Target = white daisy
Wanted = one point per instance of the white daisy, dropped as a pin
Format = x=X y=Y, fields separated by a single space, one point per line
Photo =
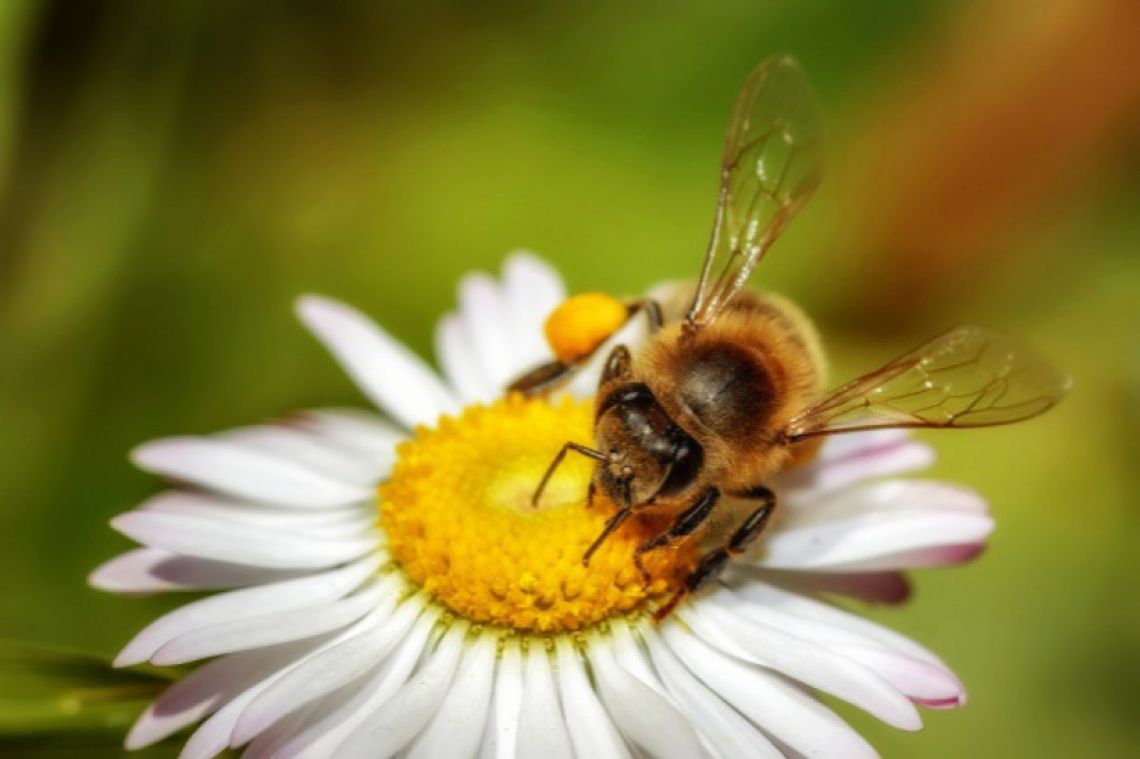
x=445 y=617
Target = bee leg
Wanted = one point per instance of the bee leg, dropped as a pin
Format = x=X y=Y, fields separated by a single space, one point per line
x=652 y=311
x=566 y=448
x=714 y=562
x=543 y=378
x=685 y=524
x=548 y=377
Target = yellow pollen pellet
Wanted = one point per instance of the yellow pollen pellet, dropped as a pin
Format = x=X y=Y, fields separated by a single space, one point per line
x=582 y=322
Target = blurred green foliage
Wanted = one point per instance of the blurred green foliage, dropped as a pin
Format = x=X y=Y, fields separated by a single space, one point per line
x=173 y=174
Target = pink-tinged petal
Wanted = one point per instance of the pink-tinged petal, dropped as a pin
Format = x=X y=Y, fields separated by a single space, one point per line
x=921 y=681
x=460 y=362
x=228 y=467
x=252 y=545
x=911 y=675
x=396 y=380
x=206 y=689
x=397 y=722
x=884 y=498
x=153 y=570
x=533 y=289
x=847 y=459
x=785 y=712
x=828 y=620
x=812 y=664
x=942 y=703
x=873 y=542
x=245 y=604
x=872 y=587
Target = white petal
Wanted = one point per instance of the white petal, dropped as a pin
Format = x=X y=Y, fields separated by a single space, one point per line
x=642 y=715
x=533 y=289
x=726 y=733
x=207 y=688
x=456 y=728
x=392 y=376
x=252 y=545
x=244 y=604
x=885 y=498
x=542 y=728
x=269 y=629
x=483 y=311
x=308 y=450
x=812 y=664
x=629 y=654
x=152 y=570
x=915 y=677
x=355 y=429
x=873 y=541
x=591 y=731
x=399 y=719
x=341 y=522
x=229 y=467
x=794 y=718
x=461 y=365
x=847 y=459
x=330 y=670
x=502 y=737
x=769 y=597
x=321 y=738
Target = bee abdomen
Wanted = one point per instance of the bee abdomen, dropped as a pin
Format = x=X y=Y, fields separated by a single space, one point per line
x=727 y=389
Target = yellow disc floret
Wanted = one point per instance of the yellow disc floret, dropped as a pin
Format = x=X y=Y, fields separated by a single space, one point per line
x=458 y=516
x=582 y=323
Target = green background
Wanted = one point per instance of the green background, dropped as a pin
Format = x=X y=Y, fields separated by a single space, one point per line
x=173 y=174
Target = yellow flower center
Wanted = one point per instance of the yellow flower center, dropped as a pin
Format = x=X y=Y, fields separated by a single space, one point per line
x=457 y=512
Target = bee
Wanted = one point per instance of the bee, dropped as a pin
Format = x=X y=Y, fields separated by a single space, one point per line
x=729 y=388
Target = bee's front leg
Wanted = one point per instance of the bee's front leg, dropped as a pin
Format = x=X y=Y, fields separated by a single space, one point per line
x=713 y=562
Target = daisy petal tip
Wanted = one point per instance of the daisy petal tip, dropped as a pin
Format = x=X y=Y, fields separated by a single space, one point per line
x=142 y=733
x=128 y=657
x=954 y=702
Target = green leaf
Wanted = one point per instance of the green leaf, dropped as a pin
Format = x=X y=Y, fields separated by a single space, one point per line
x=51 y=697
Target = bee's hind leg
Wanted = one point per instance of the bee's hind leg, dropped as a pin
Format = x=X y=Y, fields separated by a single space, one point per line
x=714 y=562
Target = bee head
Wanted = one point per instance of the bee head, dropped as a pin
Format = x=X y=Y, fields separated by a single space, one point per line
x=647 y=455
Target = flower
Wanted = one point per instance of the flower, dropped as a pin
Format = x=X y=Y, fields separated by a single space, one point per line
x=388 y=588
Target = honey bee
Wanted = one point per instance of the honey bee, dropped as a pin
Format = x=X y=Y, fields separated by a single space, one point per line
x=728 y=389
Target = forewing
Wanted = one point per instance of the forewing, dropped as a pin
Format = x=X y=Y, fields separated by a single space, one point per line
x=772 y=164
x=968 y=377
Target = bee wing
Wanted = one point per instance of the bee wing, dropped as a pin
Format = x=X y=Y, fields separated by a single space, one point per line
x=772 y=164
x=967 y=377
